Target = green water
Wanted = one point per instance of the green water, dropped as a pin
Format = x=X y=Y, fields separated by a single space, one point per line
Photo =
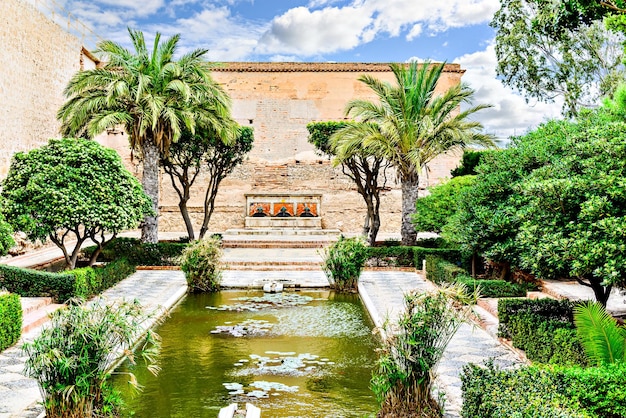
x=305 y=354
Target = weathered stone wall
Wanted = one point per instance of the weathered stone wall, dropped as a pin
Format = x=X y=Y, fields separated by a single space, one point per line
x=278 y=100
x=38 y=58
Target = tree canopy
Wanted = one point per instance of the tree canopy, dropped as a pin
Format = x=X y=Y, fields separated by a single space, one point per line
x=410 y=125
x=203 y=152
x=366 y=171
x=72 y=189
x=566 y=51
x=154 y=96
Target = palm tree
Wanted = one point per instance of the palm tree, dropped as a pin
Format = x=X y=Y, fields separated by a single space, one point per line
x=153 y=96
x=410 y=126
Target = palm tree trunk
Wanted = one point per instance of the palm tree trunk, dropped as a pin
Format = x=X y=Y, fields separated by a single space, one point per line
x=410 y=192
x=150 y=182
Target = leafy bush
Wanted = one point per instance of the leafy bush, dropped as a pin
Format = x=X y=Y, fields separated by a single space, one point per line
x=409 y=256
x=411 y=350
x=554 y=392
x=529 y=392
x=201 y=263
x=343 y=262
x=33 y=283
x=86 y=282
x=603 y=339
x=550 y=309
x=6 y=236
x=113 y=273
x=142 y=254
x=441 y=271
x=10 y=319
x=493 y=288
x=71 y=359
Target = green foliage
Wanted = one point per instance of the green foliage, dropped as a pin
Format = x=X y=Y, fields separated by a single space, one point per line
x=549 y=309
x=71 y=359
x=153 y=95
x=603 y=339
x=203 y=151
x=201 y=263
x=34 y=283
x=320 y=133
x=343 y=262
x=469 y=162
x=528 y=392
x=86 y=282
x=441 y=271
x=409 y=125
x=600 y=390
x=411 y=350
x=6 y=236
x=10 y=319
x=71 y=189
x=432 y=212
x=545 y=50
x=112 y=273
x=142 y=254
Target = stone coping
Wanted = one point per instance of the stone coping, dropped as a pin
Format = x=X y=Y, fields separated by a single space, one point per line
x=246 y=67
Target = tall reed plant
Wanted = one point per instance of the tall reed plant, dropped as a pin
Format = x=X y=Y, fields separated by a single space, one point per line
x=72 y=358
x=402 y=381
x=343 y=262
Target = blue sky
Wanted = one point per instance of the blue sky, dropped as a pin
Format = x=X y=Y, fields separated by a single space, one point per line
x=330 y=30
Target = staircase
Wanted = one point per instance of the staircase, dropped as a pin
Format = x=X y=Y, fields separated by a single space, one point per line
x=36 y=311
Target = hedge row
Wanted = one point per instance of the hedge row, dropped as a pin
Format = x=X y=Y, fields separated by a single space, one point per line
x=81 y=283
x=139 y=254
x=10 y=319
x=543 y=328
x=35 y=283
x=409 y=256
x=441 y=271
x=554 y=392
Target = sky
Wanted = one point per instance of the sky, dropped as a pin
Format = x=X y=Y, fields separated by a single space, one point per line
x=455 y=31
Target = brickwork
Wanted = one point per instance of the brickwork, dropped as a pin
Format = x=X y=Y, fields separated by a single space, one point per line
x=38 y=59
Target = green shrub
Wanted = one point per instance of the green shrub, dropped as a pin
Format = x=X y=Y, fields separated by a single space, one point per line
x=10 y=319
x=550 y=309
x=72 y=357
x=141 y=254
x=343 y=262
x=566 y=392
x=493 y=288
x=113 y=273
x=86 y=282
x=201 y=263
x=528 y=392
x=401 y=256
x=441 y=271
x=34 y=283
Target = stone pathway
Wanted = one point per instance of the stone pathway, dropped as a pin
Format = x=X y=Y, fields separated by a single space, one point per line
x=382 y=293
x=157 y=291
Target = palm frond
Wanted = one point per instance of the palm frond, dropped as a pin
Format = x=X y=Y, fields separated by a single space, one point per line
x=600 y=335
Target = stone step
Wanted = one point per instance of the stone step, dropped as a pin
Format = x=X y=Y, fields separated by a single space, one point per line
x=274 y=267
x=331 y=234
x=32 y=304
x=38 y=317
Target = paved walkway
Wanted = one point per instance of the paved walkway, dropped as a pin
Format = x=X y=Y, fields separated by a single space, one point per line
x=157 y=291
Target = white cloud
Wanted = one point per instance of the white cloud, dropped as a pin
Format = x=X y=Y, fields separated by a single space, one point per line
x=415 y=31
x=306 y=32
x=510 y=115
x=136 y=8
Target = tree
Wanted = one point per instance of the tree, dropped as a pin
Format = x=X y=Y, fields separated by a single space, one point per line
x=364 y=170
x=72 y=189
x=410 y=126
x=203 y=151
x=575 y=220
x=432 y=212
x=6 y=236
x=546 y=52
x=153 y=96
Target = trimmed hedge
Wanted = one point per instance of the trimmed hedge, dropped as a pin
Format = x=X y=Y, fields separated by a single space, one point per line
x=547 y=392
x=543 y=328
x=549 y=309
x=441 y=271
x=34 y=283
x=139 y=254
x=10 y=319
x=399 y=256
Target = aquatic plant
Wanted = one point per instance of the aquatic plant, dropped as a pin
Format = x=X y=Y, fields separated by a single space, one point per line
x=201 y=263
x=343 y=263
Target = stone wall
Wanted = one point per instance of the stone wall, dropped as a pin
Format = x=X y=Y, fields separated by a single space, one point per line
x=38 y=58
x=278 y=100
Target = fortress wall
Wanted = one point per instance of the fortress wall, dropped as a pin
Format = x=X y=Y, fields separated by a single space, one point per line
x=278 y=100
x=38 y=58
